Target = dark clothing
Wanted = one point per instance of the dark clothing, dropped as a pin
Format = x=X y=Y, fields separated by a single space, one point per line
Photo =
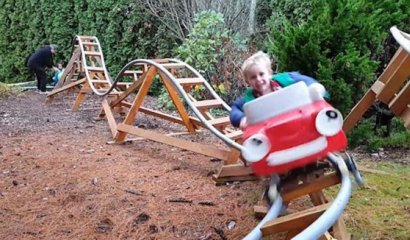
x=37 y=63
x=42 y=58
x=281 y=79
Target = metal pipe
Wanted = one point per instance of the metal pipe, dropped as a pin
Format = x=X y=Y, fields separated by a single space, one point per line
x=401 y=37
x=273 y=213
x=330 y=216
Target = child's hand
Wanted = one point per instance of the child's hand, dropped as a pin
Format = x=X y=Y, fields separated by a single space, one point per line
x=243 y=123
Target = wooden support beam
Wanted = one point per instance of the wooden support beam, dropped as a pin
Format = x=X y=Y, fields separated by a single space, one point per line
x=204 y=149
x=401 y=101
x=70 y=85
x=81 y=96
x=177 y=102
x=395 y=80
x=149 y=78
x=324 y=181
x=298 y=220
x=110 y=117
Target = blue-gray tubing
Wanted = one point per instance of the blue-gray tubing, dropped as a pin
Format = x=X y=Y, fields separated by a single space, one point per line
x=330 y=216
x=401 y=37
x=184 y=95
x=273 y=213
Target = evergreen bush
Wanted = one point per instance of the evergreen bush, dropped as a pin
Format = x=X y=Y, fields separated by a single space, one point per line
x=337 y=43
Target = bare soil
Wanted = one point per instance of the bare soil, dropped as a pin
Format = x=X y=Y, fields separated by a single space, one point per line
x=59 y=179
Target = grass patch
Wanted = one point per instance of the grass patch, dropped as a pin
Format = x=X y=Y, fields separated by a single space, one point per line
x=6 y=91
x=380 y=210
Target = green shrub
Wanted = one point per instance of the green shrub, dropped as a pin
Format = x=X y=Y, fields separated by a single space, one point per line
x=216 y=53
x=364 y=134
x=338 y=42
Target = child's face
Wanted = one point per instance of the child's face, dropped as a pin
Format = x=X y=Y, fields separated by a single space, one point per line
x=258 y=77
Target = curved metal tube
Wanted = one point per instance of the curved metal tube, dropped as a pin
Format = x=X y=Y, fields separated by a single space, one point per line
x=401 y=37
x=184 y=95
x=273 y=213
x=330 y=216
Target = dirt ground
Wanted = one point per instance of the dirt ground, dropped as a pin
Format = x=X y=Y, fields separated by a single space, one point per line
x=59 y=179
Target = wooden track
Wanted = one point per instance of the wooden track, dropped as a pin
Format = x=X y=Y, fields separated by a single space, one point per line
x=86 y=71
x=122 y=101
x=180 y=81
x=390 y=88
x=123 y=97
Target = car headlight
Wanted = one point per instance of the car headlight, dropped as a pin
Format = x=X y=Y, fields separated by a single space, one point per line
x=329 y=122
x=255 y=147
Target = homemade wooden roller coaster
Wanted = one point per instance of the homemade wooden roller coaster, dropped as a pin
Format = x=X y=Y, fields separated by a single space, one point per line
x=310 y=166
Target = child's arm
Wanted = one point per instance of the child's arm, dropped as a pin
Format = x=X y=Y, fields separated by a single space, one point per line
x=236 y=115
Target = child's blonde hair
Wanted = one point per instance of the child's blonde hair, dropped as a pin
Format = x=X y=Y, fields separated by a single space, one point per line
x=259 y=58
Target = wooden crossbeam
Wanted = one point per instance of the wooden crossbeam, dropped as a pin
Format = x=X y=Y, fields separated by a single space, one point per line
x=298 y=220
x=206 y=150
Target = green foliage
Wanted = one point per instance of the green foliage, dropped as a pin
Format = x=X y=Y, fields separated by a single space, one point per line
x=164 y=101
x=125 y=31
x=365 y=135
x=337 y=42
x=204 y=42
x=215 y=52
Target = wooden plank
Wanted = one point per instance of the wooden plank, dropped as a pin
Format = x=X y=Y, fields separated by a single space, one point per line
x=234 y=170
x=70 y=85
x=340 y=231
x=292 y=233
x=324 y=181
x=400 y=102
x=110 y=117
x=132 y=72
x=395 y=81
x=217 y=122
x=92 y=53
x=90 y=43
x=149 y=78
x=234 y=135
x=260 y=211
x=234 y=157
x=377 y=87
x=69 y=68
x=173 y=65
x=392 y=66
x=206 y=150
x=357 y=112
x=81 y=96
x=406 y=117
x=297 y=220
x=190 y=81
x=87 y=37
x=177 y=102
x=207 y=103
x=95 y=69
x=133 y=87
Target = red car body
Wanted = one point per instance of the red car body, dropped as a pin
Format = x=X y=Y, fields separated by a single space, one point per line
x=295 y=138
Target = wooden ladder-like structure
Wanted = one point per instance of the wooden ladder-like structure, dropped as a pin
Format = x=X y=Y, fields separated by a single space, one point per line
x=179 y=80
x=390 y=88
x=86 y=70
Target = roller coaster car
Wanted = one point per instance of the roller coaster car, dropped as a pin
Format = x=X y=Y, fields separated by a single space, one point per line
x=291 y=128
